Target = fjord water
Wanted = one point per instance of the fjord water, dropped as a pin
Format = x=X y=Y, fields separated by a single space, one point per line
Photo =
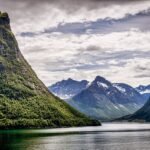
x=110 y=136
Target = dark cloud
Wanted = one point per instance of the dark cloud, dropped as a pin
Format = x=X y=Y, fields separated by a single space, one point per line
x=28 y=34
x=142 y=71
x=92 y=48
x=142 y=75
x=27 y=11
x=89 y=3
x=141 y=68
x=139 y=21
x=69 y=5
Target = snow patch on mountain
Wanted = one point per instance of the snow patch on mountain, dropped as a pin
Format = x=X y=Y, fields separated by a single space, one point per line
x=144 y=92
x=121 y=89
x=102 y=85
x=64 y=96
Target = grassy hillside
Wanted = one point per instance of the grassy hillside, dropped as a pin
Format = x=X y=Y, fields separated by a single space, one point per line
x=24 y=100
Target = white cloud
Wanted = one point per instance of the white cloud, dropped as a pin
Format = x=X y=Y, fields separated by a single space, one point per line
x=58 y=56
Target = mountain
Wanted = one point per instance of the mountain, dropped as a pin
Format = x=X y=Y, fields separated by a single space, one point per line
x=130 y=93
x=144 y=90
x=66 y=89
x=25 y=102
x=105 y=100
x=142 y=114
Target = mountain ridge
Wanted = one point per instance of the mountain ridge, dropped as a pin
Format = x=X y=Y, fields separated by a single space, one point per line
x=104 y=100
x=68 y=88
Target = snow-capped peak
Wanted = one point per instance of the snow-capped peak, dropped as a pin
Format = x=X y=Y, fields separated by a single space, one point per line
x=145 y=91
x=100 y=84
x=121 y=89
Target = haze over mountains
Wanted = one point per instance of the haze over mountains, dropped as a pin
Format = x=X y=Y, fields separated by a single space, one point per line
x=142 y=114
x=100 y=99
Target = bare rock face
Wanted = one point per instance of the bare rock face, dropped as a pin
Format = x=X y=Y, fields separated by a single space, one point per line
x=5 y=21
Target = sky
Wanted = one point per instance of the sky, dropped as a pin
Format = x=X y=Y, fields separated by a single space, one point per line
x=82 y=39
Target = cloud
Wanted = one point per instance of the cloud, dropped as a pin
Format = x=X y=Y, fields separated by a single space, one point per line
x=84 y=56
x=105 y=26
x=37 y=15
x=82 y=39
x=89 y=4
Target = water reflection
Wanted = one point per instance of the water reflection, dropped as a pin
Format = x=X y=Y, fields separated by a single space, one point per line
x=78 y=139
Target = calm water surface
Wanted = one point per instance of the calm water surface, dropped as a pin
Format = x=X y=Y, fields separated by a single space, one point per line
x=111 y=136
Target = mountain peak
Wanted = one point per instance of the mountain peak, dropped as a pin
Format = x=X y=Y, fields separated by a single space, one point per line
x=100 y=79
x=66 y=89
x=143 y=87
x=70 y=79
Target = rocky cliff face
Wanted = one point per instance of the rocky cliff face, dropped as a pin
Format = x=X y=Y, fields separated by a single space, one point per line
x=25 y=102
x=5 y=21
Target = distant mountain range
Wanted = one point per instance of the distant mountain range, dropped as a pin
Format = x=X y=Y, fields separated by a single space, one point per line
x=66 y=89
x=100 y=99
